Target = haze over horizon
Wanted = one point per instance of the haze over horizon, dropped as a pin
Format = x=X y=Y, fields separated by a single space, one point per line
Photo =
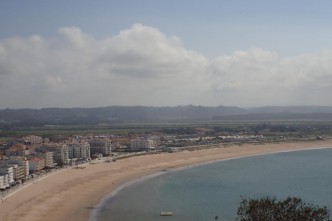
x=165 y=53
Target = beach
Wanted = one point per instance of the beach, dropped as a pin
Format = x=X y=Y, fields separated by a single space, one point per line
x=72 y=194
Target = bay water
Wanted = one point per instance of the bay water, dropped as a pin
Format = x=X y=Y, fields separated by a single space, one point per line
x=201 y=193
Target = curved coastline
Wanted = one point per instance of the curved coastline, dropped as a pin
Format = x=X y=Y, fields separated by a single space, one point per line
x=97 y=209
x=76 y=194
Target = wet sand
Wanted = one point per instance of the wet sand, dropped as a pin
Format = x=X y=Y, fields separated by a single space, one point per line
x=72 y=194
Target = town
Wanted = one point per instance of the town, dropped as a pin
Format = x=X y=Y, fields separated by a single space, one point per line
x=26 y=159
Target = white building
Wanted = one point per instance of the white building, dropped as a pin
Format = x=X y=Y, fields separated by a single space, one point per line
x=32 y=139
x=59 y=151
x=4 y=181
x=23 y=165
x=19 y=172
x=156 y=139
x=142 y=144
x=80 y=150
x=7 y=172
x=100 y=146
x=48 y=157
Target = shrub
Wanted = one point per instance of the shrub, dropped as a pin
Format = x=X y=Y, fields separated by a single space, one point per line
x=290 y=209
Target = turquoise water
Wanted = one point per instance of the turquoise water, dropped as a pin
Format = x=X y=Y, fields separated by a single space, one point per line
x=202 y=192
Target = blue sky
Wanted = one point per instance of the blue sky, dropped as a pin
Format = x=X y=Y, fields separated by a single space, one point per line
x=234 y=52
x=210 y=27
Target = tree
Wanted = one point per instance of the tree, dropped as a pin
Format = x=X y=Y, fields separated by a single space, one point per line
x=290 y=209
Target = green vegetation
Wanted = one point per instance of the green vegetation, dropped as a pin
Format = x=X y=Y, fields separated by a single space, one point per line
x=290 y=209
x=271 y=122
x=271 y=129
x=47 y=131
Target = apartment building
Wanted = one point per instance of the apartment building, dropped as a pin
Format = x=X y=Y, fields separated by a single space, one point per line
x=100 y=146
x=78 y=150
x=48 y=157
x=141 y=144
x=7 y=172
x=32 y=139
x=19 y=172
x=36 y=164
x=22 y=172
x=17 y=150
x=60 y=152
x=4 y=181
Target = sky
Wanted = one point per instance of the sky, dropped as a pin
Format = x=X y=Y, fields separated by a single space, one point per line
x=83 y=53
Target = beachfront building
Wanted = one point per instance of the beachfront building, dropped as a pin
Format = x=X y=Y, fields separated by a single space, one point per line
x=22 y=172
x=48 y=157
x=142 y=144
x=19 y=173
x=78 y=150
x=7 y=172
x=120 y=144
x=100 y=146
x=3 y=183
x=156 y=139
x=36 y=164
x=60 y=152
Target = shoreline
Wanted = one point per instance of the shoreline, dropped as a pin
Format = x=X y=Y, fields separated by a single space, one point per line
x=76 y=194
x=93 y=215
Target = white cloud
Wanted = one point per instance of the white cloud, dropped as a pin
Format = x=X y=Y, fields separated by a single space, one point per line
x=129 y=68
x=143 y=66
x=258 y=77
x=146 y=52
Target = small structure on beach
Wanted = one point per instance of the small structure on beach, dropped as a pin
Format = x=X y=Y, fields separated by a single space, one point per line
x=166 y=213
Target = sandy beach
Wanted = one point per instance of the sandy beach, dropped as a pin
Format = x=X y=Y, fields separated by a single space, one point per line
x=72 y=194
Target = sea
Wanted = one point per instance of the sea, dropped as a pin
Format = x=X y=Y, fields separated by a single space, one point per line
x=215 y=190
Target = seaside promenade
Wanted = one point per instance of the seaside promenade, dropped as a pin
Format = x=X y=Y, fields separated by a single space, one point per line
x=72 y=194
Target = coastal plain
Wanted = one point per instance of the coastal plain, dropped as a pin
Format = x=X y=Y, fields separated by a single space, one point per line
x=73 y=194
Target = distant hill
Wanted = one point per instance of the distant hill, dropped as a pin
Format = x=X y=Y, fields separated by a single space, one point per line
x=291 y=109
x=112 y=114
